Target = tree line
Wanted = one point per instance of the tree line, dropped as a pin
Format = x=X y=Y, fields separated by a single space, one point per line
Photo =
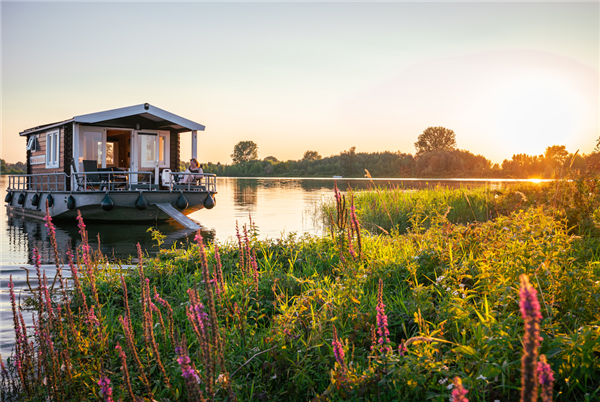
x=12 y=168
x=437 y=155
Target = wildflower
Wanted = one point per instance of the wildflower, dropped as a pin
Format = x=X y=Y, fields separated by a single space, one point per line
x=382 y=321
x=402 y=349
x=530 y=310
x=123 y=357
x=105 y=389
x=443 y=381
x=440 y=278
x=458 y=393
x=481 y=377
x=91 y=318
x=338 y=351
x=546 y=378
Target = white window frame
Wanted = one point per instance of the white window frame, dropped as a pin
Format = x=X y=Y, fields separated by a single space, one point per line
x=53 y=149
x=167 y=139
x=32 y=143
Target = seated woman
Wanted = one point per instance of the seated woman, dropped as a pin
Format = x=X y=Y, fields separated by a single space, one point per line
x=194 y=168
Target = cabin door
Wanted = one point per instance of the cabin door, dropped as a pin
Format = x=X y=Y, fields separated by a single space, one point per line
x=150 y=152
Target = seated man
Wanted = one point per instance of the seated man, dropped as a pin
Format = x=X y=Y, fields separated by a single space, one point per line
x=194 y=168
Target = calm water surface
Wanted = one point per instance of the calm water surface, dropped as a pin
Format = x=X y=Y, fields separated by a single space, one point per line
x=278 y=206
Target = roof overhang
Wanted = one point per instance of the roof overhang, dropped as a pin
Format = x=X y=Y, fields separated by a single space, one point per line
x=144 y=116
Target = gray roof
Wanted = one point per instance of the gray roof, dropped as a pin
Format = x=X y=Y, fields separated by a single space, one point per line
x=144 y=115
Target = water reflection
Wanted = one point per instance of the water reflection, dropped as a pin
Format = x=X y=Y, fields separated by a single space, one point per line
x=116 y=241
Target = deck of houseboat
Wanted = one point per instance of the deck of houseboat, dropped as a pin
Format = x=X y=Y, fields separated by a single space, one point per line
x=118 y=195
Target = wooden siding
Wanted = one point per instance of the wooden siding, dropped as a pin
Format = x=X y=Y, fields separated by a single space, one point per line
x=174 y=151
x=41 y=168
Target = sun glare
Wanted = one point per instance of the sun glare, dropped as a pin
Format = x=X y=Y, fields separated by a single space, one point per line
x=535 y=113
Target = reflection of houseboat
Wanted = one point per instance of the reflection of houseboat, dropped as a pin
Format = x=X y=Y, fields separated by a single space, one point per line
x=114 y=165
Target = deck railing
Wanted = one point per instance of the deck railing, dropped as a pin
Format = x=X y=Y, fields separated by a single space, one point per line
x=38 y=182
x=109 y=180
x=113 y=181
x=199 y=182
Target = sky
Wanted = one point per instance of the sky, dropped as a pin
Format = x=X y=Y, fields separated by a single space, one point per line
x=507 y=77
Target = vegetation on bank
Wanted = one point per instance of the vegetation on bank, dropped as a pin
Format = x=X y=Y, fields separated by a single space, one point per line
x=436 y=308
x=554 y=163
x=437 y=156
x=12 y=168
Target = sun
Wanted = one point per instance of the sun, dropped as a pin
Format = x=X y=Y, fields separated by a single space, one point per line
x=533 y=113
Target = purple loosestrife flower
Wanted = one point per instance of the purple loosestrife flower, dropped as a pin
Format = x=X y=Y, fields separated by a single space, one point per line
x=530 y=310
x=546 y=378
x=49 y=225
x=105 y=389
x=402 y=349
x=186 y=369
x=123 y=357
x=458 y=393
x=338 y=350
x=91 y=318
x=382 y=321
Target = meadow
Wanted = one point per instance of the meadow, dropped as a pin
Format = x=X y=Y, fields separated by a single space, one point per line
x=413 y=296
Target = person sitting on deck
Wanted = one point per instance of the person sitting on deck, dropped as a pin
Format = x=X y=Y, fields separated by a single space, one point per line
x=194 y=168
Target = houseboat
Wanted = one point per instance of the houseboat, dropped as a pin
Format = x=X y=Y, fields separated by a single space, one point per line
x=115 y=165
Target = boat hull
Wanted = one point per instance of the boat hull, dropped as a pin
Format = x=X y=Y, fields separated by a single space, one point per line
x=89 y=204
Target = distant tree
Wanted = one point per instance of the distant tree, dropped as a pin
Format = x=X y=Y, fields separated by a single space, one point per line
x=435 y=139
x=597 y=149
x=245 y=151
x=271 y=158
x=311 y=156
x=556 y=155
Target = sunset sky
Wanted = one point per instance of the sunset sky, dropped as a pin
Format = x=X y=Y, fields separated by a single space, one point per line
x=506 y=77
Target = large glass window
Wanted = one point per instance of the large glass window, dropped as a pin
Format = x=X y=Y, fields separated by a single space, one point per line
x=92 y=147
x=148 y=151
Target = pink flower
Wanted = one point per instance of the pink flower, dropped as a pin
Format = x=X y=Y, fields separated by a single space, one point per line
x=458 y=393
x=105 y=389
x=338 y=351
x=382 y=321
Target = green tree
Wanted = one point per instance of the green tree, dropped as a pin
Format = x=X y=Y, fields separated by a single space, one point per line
x=435 y=139
x=311 y=156
x=244 y=151
x=271 y=158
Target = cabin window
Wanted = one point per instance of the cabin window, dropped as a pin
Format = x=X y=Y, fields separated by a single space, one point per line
x=52 y=149
x=33 y=144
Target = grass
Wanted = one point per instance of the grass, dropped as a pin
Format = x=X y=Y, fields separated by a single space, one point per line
x=254 y=320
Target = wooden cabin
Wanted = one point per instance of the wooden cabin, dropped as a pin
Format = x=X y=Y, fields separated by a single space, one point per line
x=135 y=138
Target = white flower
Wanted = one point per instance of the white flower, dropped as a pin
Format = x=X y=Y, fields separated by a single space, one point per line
x=454 y=293
x=496 y=400
x=461 y=286
x=440 y=278
x=443 y=381
x=450 y=386
x=481 y=378
x=464 y=295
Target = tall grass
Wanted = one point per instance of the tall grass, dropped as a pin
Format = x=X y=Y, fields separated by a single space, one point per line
x=424 y=315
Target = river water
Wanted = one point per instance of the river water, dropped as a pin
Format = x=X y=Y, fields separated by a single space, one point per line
x=277 y=206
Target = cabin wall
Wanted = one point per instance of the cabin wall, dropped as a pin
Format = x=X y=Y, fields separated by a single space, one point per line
x=39 y=168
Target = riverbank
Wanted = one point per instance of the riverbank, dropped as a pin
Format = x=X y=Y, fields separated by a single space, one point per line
x=297 y=318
